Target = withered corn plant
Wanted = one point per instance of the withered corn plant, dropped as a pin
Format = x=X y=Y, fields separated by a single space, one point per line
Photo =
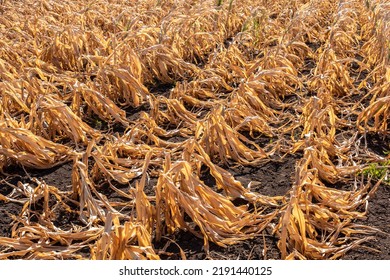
x=143 y=98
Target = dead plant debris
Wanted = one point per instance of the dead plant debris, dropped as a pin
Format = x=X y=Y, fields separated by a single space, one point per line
x=214 y=85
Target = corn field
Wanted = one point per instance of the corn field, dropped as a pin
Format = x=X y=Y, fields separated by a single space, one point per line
x=145 y=99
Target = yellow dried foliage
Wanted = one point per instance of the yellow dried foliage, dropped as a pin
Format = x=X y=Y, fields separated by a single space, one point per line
x=145 y=99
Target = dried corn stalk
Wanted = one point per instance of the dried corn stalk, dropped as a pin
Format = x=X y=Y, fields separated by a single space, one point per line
x=130 y=241
x=179 y=191
x=25 y=148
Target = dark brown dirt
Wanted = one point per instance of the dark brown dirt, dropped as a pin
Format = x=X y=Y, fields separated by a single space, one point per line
x=275 y=178
x=271 y=178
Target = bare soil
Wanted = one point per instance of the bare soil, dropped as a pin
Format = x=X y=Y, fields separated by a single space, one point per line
x=273 y=178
